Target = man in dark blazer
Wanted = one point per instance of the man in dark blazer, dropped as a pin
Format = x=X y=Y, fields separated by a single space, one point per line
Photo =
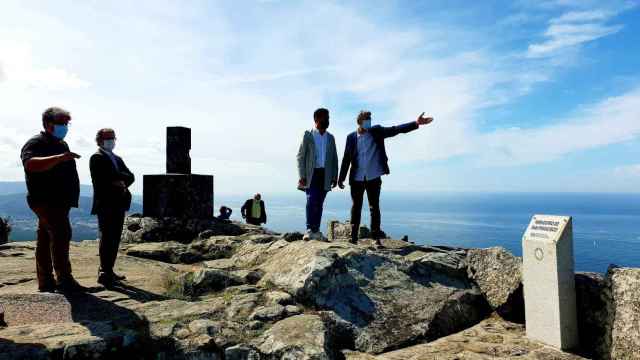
x=366 y=155
x=111 y=199
x=254 y=211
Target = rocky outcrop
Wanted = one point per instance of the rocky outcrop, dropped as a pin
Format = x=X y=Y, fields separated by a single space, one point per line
x=451 y=263
x=264 y=296
x=198 y=250
x=371 y=291
x=623 y=323
x=89 y=340
x=493 y=338
x=591 y=302
x=138 y=229
x=303 y=337
x=177 y=253
x=499 y=275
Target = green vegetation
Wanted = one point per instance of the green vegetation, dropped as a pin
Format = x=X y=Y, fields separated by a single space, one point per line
x=174 y=284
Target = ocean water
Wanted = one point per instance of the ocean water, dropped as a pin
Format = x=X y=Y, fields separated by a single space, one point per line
x=606 y=226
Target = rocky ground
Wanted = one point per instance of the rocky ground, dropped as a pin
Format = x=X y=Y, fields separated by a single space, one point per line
x=197 y=290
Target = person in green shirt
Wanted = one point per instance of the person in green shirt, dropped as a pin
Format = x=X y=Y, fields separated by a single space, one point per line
x=253 y=211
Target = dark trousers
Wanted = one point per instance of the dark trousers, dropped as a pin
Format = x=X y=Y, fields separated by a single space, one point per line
x=110 y=224
x=315 y=200
x=253 y=221
x=358 y=188
x=52 y=246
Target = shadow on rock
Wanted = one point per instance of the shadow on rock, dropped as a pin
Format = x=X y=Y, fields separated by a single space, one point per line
x=136 y=294
x=10 y=350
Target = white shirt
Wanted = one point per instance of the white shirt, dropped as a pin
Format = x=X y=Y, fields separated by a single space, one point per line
x=320 y=141
x=369 y=166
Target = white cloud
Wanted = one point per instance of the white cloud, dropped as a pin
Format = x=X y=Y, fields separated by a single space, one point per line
x=632 y=171
x=17 y=69
x=248 y=92
x=583 y=16
x=581 y=22
x=562 y=36
x=610 y=121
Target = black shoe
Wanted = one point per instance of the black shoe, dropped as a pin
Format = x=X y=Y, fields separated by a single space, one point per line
x=71 y=286
x=51 y=288
x=106 y=280
x=118 y=277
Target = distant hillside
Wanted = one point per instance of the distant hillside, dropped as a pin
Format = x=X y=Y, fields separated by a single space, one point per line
x=23 y=221
x=19 y=187
x=15 y=206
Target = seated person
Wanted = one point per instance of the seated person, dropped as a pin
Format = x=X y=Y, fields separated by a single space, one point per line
x=225 y=213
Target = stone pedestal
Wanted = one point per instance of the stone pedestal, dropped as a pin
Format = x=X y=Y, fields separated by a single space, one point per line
x=178 y=195
x=549 y=285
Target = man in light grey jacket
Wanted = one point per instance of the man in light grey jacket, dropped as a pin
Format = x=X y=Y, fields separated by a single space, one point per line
x=317 y=170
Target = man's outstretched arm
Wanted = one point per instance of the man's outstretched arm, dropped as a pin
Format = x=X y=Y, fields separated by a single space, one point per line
x=405 y=128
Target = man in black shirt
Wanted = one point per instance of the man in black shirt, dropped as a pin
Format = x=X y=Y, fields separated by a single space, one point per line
x=111 y=199
x=53 y=188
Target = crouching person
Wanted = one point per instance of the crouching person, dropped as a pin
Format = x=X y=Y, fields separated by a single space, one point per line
x=111 y=200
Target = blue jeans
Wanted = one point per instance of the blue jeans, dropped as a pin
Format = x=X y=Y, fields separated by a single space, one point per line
x=315 y=200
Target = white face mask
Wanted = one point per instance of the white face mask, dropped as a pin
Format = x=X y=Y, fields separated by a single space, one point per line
x=366 y=124
x=109 y=145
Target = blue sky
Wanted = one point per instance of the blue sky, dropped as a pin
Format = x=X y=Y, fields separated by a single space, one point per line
x=527 y=95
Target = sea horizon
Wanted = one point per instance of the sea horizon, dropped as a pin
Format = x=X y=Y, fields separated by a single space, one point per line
x=604 y=224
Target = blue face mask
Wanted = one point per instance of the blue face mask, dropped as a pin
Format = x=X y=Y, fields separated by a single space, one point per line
x=366 y=124
x=60 y=131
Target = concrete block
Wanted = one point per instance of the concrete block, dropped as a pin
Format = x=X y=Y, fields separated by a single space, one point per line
x=178 y=195
x=549 y=281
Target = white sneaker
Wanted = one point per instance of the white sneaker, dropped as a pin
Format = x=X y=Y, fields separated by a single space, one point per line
x=308 y=235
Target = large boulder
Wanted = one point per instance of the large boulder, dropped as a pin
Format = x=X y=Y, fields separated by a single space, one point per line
x=218 y=247
x=499 y=275
x=200 y=329
x=198 y=282
x=302 y=337
x=450 y=263
x=591 y=303
x=624 y=312
x=89 y=340
x=169 y=251
x=493 y=338
x=390 y=301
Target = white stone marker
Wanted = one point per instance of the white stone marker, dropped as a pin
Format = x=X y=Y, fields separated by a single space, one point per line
x=549 y=281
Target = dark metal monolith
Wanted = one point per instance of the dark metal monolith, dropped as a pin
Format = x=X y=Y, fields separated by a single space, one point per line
x=178 y=193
